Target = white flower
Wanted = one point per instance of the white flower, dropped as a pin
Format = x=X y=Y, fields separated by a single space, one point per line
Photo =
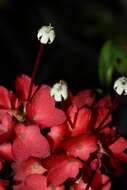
x=46 y=34
x=59 y=91
x=120 y=86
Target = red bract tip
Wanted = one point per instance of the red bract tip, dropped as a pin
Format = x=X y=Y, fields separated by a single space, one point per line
x=4 y=98
x=22 y=85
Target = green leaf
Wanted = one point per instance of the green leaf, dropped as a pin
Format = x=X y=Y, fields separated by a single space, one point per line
x=106 y=64
x=112 y=59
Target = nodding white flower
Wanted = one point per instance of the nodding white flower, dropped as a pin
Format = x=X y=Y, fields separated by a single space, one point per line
x=59 y=91
x=120 y=86
x=46 y=34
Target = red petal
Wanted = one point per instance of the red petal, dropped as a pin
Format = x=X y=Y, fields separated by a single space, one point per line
x=115 y=167
x=60 y=168
x=84 y=98
x=118 y=148
x=56 y=135
x=81 y=146
x=101 y=115
x=22 y=86
x=4 y=98
x=29 y=142
x=42 y=109
x=27 y=167
x=33 y=182
x=15 y=102
x=103 y=108
x=99 y=181
x=6 y=152
x=6 y=128
x=80 y=119
x=105 y=102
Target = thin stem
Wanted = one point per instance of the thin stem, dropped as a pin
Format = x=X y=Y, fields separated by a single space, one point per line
x=35 y=69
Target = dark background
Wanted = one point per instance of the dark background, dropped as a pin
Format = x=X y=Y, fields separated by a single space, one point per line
x=81 y=29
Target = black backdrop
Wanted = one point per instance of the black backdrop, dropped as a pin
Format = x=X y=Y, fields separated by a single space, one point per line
x=81 y=29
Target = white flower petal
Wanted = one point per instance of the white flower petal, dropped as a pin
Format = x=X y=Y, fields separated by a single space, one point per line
x=58 y=98
x=59 y=91
x=120 y=86
x=119 y=90
x=46 y=34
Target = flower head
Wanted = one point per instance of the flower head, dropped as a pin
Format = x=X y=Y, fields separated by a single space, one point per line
x=46 y=34
x=60 y=91
x=120 y=86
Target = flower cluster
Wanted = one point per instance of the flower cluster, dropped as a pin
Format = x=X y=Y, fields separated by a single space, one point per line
x=53 y=146
x=53 y=140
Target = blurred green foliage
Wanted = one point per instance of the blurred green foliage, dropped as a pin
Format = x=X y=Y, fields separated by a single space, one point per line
x=112 y=61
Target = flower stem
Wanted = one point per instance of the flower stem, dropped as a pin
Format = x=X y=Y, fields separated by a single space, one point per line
x=35 y=69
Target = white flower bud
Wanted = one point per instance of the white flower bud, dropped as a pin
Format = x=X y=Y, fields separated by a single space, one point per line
x=59 y=91
x=120 y=86
x=46 y=34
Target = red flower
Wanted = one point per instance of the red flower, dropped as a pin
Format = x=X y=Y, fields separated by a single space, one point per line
x=33 y=182
x=27 y=167
x=41 y=110
x=60 y=168
x=29 y=142
x=81 y=146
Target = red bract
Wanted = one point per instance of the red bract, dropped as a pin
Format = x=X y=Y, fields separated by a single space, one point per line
x=118 y=148
x=4 y=98
x=56 y=135
x=80 y=119
x=41 y=110
x=102 y=109
x=60 y=168
x=22 y=85
x=81 y=146
x=33 y=182
x=84 y=98
x=92 y=180
x=29 y=142
x=6 y=152
x=27 y=167
x=6 y=128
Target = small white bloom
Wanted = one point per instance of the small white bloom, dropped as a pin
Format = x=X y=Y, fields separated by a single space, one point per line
x=46 y=34
x=120 y=86
x=59 y=91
